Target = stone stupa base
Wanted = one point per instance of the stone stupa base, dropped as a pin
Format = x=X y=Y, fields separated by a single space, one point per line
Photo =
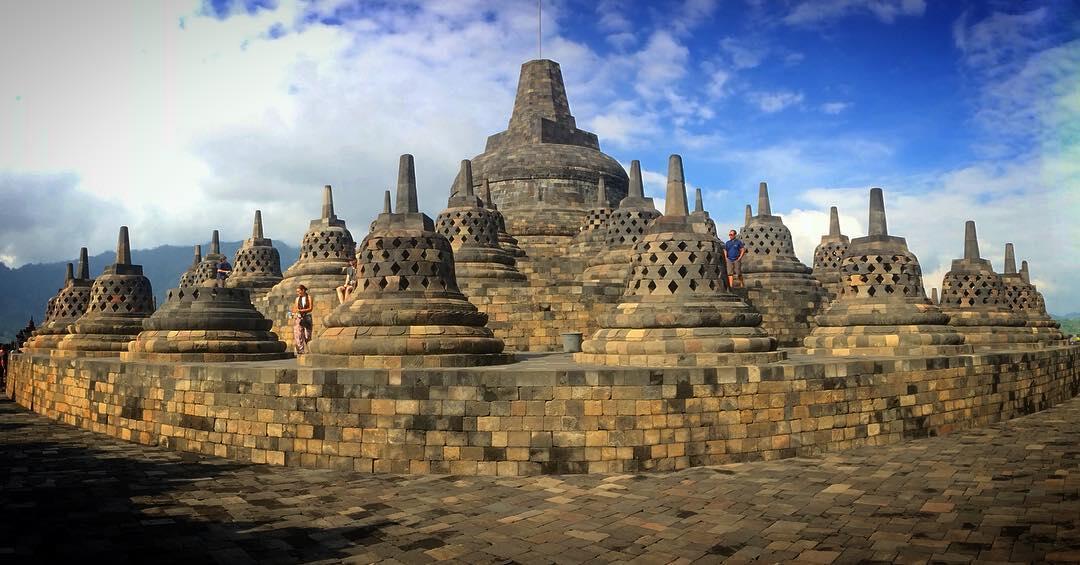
x=452 y=360
x=44 y=343
x=488 y=271
x=209 y=346
x=905 y=340
x=93 y=345
x=405 y=346
x=991 y=330
x=680 y=347
x=787 y=305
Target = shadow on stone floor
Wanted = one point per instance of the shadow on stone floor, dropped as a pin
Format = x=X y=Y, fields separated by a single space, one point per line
x=126 y=503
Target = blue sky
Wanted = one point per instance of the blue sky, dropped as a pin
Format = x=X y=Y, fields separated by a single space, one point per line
x=178 y=118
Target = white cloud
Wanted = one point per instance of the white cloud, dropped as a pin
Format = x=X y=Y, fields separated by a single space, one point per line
x=999 y=38
x=743 y=55
x=834 y=108
x=660 y=64
x=816 y=12
x=772 y=102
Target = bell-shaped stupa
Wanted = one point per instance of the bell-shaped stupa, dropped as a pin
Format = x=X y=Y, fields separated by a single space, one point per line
x=625 y=227
x=205 y=273
x=188 y=278
x=473 y=232
x=882 y=308
x=206 y=324
x=406 y=310
x=593 y=231
x=1025 y=300
x=700 y=213
x=675 y=309
x=65 y=308
x=776 y=282
x=120 y=299
x=974 y=297
x=543 y=170
x=324 y=255
x=829 y=254
x=506 y=241
x=257 y=265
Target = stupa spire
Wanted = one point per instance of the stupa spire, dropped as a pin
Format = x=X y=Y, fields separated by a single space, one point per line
x=257 y=228
x=386 y=203
x=637 y=189
x=488 y=202
x=327 y=202
x=198 y=255
x=933 y=295
x=406 y=186
x=971 y=241
x=878 y=224
x=1025 y=275
x=215 y=243
x=84 y=265
x=834 y=221
x=70 y=275
x=763 y=207
x=1010 y=259
x=699 y=205
x=601 y=193
x=540 y=94
x=749 y=214
x=675 y=199
x=123 y=247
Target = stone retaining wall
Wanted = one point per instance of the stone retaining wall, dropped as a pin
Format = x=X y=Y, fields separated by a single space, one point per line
x=542 y=415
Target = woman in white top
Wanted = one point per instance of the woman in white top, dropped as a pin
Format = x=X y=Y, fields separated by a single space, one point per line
x=301 y=312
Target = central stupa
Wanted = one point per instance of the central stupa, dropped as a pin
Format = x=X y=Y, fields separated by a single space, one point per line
x=543 y=170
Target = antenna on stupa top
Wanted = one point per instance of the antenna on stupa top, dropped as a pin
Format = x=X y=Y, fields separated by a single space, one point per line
x=675 y=202
x=406 y=186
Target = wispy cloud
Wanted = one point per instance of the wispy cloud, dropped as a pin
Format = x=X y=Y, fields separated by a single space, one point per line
x=834 y=108
x=816 y=12
x=772 y=102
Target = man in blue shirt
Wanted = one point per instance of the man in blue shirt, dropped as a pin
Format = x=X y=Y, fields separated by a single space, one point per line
x=223 y=270
x=735 y=250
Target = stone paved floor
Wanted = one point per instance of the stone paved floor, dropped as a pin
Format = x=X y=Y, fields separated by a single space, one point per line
x=1006 y=493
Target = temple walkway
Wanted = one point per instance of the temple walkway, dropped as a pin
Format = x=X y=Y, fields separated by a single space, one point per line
x=1008 y=493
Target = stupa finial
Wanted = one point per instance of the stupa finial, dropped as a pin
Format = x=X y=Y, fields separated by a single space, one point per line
x=834 y=221
x=327 y=202
x=198 y=255
x=1025 y=275
x=675 y=199
x=601 y=192
x=763 y=207
x=699 y=205
x=257 y=228
x=123 y=247
x=971 y=241
x=488 y=202
x=749 y=214
x=386 y=203
x=70 y=273
x=215 y=243
x=465 y=179
x=636 y=187
x=933 y=295
x=406 y=186
x=878 y=224
x=84 y=264
x=1010 y=259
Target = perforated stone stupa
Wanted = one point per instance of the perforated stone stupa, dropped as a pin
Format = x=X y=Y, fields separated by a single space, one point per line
x=974 y=297
x=829 y=254
x=257 y=265
x=188 y=278
x=120 y=299
x=206 y=324
x=473 y=232
x=206 y=272
x=777 y=283
x=324 y=254
x=407 y=310
x=508 y=242
x=1024 y=299
x=543 y=170
x=65 y=308
x=700 y=213
x=882 y=308
x=593 y=232
x=675 y=310
x=625 y=227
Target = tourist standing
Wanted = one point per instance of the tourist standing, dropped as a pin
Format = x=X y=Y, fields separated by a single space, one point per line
x=222 y=273
x=301 y=313
x=346 y=290
x=735 y=250
x=3 y=364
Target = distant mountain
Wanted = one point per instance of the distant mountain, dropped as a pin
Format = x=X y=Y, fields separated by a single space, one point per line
x=24 y=292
